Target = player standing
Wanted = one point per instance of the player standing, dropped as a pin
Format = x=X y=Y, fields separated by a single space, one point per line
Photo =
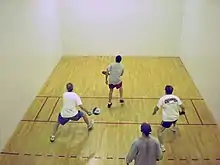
x=170 y=105
x=146 y=149
x=69 y=111
x=114 y=72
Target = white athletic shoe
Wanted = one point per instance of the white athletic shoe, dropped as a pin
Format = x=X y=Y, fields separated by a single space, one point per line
x=90 y=126
x=163 y=148
x=52 y=138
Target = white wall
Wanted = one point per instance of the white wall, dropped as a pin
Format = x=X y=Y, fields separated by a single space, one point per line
x=30 y=42
x=104 y=27
x=30 y=47
x=201 y=48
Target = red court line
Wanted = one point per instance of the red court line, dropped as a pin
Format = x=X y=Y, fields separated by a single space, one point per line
x=129 y=98
x=115 y=123
x=96 y=157
x=200 y=119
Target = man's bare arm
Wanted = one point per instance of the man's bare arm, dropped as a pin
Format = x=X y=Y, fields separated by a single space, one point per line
x=106 y=75
x=182 y=112
x=122 y=73
x=156 y=108
x=182 y=108
x=84 y=109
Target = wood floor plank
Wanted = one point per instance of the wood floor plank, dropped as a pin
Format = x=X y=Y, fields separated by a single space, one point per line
x=34 y=108
x=56 y=111
x=47 y=109
x=36 y=160
x=39 y=160
x=203 y=112
x=144 y=77
x=73 y=139
x=191 y=113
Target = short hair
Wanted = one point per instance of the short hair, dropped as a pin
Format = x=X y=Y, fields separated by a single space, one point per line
x=69 y=87
x=118 y=58
x=168 y=89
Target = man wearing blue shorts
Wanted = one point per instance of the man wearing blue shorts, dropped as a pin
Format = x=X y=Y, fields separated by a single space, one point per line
x=69 y=111
x=170 y=105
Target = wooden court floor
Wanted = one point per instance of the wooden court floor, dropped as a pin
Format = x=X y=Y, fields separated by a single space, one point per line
x=196 y=143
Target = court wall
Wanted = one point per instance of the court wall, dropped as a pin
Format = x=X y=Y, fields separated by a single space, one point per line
x=29 y=49
x=103 y=27
x=200 y=49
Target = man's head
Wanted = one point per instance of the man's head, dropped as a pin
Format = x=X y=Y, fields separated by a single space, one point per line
x=69 y=87
x=146 y=129
x=168 y=89
x=118 y=58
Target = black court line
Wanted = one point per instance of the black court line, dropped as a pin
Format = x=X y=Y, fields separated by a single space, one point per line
x=41 y=108
x=53 y=109
x=183 y=66
x=129 y=98
x=200 y=119
x=186 y=119
x=115 y=123
x=96 y=157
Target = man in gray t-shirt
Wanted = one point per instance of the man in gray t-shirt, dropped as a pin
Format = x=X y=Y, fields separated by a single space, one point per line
x=146 y=149
x=113 y=75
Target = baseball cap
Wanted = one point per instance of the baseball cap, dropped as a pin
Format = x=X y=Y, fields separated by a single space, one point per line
x=169 y=89
x=146 y=128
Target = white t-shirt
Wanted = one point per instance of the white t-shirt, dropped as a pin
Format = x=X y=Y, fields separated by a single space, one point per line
x=170 y=107
x=116 y=70
x=70 y=102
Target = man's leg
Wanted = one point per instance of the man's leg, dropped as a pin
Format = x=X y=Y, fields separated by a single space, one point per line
x=163 y=127
x=174 y=128
x=61 y=121
x=111 y=88
x=160 y=137
x=85 y=118
x=120 y=87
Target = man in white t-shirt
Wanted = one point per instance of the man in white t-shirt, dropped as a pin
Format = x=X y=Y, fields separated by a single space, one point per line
x=170 y=105
x=113 y=75
x=69 y=111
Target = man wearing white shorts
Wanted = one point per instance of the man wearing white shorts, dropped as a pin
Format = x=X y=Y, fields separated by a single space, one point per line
x=69 y=111
x=170 y=105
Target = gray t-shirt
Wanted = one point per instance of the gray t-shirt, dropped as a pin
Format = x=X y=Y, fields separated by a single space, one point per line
x=145 y=151
x=116 y=70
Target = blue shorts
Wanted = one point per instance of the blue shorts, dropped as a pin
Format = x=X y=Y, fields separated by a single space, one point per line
x=168 y=124
x=63 y=120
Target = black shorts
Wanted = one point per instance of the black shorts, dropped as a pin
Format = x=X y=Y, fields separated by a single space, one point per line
x=168 y=124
